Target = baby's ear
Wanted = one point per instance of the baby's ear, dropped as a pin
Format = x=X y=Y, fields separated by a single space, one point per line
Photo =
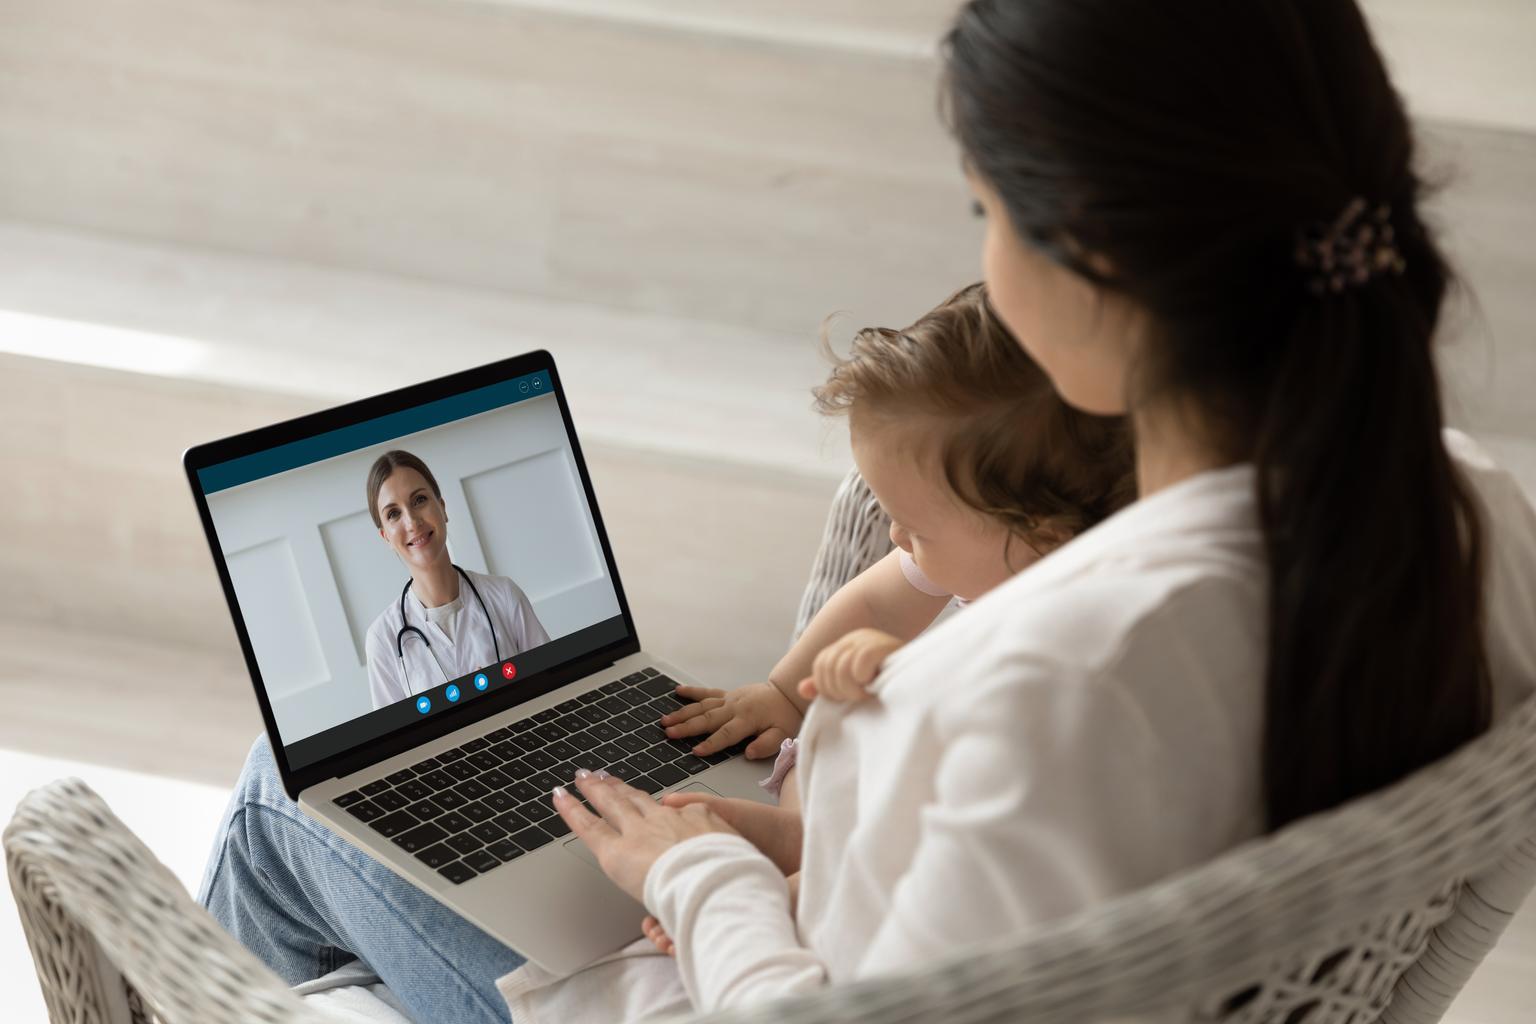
x=1051 y=536
x=1047 y=536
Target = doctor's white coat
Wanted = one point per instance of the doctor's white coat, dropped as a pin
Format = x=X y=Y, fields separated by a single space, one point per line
x=517 y=629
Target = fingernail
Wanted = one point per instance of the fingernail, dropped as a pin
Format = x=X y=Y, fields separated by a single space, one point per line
x=600 y=775
x=582 y=773
x=559 y=793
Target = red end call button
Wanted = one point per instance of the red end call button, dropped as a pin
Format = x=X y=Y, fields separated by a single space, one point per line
x=508 y=670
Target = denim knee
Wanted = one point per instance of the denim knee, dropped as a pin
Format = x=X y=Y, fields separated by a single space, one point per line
x=260 y=782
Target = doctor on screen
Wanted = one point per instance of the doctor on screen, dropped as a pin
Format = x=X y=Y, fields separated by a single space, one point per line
x=446 y=622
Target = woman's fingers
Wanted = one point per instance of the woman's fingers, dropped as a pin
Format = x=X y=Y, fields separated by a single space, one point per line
x=767 y=744
x=614 y=800
x=585 y=825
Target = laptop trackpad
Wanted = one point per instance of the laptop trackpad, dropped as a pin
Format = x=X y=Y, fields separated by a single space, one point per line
x=579 y=848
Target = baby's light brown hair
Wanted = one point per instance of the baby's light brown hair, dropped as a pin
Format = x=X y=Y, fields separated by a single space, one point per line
x=1009 y=447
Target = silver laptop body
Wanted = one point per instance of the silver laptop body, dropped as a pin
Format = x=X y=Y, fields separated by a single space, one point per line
x=449 y=787
x=553 y=905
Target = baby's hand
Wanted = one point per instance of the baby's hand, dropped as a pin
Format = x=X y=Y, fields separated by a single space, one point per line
x=845 y=668
x=730 y=716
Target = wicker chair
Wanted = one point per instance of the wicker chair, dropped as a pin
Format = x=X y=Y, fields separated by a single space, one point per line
x=1377 y=911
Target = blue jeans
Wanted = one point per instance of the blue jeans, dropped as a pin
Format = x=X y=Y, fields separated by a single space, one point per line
x=306 y=901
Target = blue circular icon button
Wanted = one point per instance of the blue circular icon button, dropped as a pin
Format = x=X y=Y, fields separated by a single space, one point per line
x=452 y=693
x=423 y=704
x=481 y=682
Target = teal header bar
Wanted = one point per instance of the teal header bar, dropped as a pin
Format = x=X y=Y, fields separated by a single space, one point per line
x=371 y=432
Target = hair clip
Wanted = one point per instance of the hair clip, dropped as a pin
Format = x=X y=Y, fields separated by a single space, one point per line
x=1358 y=246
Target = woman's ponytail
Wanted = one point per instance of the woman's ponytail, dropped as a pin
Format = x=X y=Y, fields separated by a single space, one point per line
x=1375 y=663
x=1190 y=156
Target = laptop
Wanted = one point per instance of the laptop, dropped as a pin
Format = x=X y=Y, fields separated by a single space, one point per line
x=429 y=734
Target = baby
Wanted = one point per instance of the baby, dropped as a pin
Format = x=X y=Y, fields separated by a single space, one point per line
x=981 y=469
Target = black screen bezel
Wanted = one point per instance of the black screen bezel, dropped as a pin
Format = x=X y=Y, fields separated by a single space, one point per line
x=420 y=731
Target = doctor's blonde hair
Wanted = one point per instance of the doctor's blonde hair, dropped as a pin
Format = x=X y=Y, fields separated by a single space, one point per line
x=384 y=467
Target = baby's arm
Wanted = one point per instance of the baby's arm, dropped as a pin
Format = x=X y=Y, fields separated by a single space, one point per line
x=879 y=598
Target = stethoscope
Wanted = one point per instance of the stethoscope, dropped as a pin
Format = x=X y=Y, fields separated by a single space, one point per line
x=406 y=627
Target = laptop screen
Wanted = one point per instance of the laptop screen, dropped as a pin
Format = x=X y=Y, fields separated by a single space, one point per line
x=391 y=566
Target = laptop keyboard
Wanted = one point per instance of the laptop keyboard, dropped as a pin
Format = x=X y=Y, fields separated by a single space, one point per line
x=471 y=809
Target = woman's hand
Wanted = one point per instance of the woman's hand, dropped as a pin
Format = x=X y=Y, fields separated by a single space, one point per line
x=845 y=668
x=730 y=716
x=630 y=832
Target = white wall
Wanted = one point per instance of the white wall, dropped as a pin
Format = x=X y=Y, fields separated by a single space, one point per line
x=311 y=572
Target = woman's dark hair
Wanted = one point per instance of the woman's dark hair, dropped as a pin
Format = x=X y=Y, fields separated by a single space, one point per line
x=1171 y=151
x=1007 y=444
x=384 y=467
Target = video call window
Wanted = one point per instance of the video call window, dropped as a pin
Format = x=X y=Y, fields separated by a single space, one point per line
x=414 y=568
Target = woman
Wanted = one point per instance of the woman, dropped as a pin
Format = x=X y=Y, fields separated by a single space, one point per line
x=1316 y=593
x=448 y=622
